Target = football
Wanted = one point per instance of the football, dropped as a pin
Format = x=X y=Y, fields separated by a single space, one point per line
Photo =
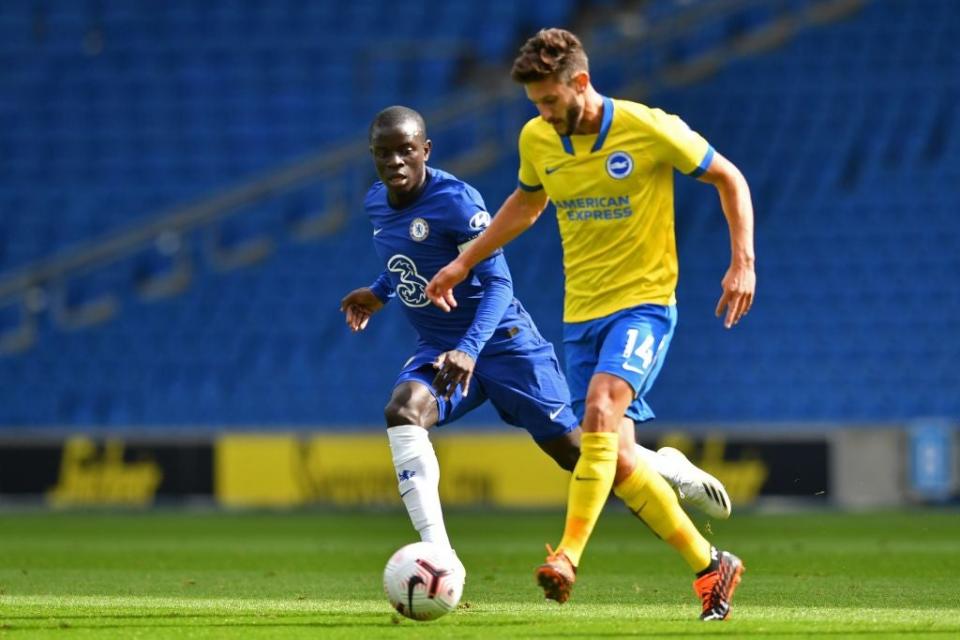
x=423 y=581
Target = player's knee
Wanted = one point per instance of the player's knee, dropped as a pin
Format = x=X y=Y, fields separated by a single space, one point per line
x=400 y=412
x=601 y=413
x=607 y=399
x=411 y=403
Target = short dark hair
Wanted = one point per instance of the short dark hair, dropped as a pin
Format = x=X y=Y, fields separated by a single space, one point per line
x=551 y=52
x=396 y=116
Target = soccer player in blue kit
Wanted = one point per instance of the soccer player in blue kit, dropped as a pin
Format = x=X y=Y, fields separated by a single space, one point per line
x=488 y=348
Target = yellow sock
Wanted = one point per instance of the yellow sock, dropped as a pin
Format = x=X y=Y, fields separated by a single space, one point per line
x=589 y=488
x=653 y=501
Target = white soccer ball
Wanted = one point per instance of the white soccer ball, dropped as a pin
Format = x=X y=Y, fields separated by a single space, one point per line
x=423 y=581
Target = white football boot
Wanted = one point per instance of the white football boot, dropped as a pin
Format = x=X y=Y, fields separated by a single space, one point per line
x=695 y=486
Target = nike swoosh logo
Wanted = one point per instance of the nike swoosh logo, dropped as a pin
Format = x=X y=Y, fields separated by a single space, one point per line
x=407 y=491
x=549 y=170
x=377 y=231
x=554 y=414
x=586 y=479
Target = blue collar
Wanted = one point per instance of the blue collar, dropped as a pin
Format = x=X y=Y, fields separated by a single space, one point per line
x=605 y=123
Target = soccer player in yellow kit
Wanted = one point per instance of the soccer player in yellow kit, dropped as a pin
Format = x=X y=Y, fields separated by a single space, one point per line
x=608 y=167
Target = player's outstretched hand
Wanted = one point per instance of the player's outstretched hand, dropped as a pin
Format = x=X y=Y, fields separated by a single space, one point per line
x=453 y=368
x=739 y=285
x=359 y=305
x=440 y=287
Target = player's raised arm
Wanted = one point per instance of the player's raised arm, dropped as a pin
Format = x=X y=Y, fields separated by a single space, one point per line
x=740 y=281
x=516 y=215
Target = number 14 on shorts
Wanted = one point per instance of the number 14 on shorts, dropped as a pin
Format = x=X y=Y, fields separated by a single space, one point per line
x=638 y=357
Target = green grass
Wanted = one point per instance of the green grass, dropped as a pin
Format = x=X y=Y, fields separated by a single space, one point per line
x=317 y=575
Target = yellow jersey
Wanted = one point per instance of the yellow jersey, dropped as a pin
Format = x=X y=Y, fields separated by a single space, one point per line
x=614 y=197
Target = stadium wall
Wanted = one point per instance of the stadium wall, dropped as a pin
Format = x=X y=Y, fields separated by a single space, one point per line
x=866 y=467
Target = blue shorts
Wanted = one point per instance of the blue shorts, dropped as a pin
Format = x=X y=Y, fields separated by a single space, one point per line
x=524 y=385
x=630 y=344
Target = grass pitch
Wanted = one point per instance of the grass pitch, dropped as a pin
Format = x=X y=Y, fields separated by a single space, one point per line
x=317 y=575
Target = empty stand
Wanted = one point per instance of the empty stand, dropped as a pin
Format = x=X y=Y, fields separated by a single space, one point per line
x=849 y=135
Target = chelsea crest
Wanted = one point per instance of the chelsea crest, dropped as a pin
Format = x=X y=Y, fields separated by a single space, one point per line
x=419 y=229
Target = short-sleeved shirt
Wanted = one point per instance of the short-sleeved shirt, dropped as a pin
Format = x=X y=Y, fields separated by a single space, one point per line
x=614 y=197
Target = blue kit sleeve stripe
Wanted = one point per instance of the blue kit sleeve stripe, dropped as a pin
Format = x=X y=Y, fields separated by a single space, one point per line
x=704 y=164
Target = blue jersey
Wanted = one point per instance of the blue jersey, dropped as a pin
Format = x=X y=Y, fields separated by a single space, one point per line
x=419 y=239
